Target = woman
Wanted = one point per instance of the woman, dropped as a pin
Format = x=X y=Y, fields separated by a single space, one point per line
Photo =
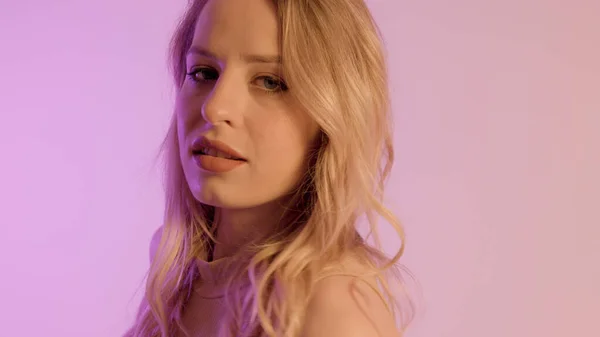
x=279 y=144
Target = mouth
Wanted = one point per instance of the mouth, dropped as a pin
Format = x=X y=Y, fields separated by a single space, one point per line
x=214 y=148
x=214 y=156
x=207 y=151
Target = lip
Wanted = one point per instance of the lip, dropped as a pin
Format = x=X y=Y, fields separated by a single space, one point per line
x=202 y=142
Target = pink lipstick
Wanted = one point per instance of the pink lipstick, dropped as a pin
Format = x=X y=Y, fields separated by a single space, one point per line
x=215 y=156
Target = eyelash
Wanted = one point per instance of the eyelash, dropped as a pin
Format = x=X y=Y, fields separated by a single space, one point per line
x=281 y=84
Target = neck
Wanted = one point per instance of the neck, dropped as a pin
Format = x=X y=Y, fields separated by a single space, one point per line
x=237 y=228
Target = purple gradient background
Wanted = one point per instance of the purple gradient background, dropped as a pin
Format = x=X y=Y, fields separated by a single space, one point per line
x=497 y=108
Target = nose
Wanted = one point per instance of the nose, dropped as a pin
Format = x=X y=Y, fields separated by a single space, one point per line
x=223 y=103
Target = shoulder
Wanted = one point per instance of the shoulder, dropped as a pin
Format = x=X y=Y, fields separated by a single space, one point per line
x=348 y=306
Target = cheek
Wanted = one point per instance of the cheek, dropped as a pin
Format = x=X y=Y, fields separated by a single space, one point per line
x=188 y=111
x=285 y=147
x=292 y=135
x=181 y=129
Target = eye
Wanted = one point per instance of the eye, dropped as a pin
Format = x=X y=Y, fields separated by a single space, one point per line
x=203 y=74
x=271 y=84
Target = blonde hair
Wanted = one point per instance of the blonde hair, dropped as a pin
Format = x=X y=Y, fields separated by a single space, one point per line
x=334 y=65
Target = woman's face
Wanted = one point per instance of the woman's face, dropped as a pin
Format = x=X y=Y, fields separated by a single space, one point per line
x=234 y=103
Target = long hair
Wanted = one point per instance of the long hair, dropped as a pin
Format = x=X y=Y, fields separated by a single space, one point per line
x=334 y=64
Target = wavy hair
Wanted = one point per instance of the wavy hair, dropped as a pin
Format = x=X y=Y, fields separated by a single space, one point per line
x=334 y=64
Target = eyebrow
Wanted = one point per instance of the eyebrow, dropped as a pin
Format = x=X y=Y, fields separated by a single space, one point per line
x=248 y=58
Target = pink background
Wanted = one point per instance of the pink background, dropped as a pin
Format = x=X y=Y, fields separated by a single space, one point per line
x=497 y=108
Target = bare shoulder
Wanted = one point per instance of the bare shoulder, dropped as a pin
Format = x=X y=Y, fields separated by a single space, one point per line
x=348 y=306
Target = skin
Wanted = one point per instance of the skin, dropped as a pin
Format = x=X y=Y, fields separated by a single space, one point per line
x=237 y=100
x=242 y=101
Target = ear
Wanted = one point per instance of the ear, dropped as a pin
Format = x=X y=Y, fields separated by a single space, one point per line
x=154 y=242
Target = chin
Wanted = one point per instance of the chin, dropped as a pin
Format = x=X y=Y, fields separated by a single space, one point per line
x=208 y=193
x=221 y=195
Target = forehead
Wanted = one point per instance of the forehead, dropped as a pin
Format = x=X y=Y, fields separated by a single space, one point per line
x=238 y=26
